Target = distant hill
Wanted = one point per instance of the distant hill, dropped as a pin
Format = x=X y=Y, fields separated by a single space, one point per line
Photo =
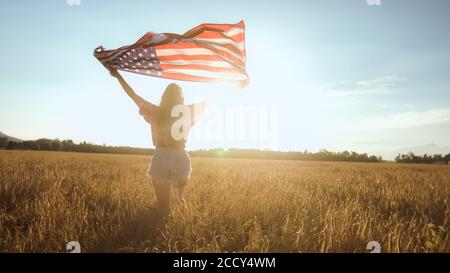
x=10 y=138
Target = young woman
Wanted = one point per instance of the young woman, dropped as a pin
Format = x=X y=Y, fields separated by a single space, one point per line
x=170 y=165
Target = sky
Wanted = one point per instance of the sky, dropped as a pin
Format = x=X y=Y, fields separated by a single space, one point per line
x=328 y=74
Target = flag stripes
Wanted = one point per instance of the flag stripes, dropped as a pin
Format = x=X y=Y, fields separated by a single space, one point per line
x=206 y=53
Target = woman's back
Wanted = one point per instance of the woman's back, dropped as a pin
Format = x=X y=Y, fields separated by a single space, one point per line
x=162 y=131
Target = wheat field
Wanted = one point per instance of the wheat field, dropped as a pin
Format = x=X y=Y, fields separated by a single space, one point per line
x=106 y=203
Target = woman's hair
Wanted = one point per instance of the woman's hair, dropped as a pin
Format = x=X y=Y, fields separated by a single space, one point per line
x=173 y=95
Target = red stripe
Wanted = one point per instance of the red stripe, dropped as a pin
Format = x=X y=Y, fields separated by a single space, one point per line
x=225 y=54
x=205 y=44
x=235 y=50
x=181 y=45
x=219 y=35
x=190 y=57
x=222 y=53
x=178 y=57
x=188 y=77
x=201 y=67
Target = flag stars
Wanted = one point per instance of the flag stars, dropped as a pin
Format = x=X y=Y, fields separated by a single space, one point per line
x=139 y=60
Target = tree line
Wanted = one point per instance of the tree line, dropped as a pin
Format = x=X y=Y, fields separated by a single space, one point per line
x=426 y=159
x=69 y=146
x=44 y=144
x=322 y=155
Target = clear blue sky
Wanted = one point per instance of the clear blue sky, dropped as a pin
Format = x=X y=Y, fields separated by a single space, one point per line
x=345 y=75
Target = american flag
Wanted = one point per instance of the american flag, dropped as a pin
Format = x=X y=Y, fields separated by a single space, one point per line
x=206 y=53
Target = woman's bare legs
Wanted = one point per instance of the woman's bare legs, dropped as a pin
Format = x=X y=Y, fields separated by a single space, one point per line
x=180 y=188
x=162 y=190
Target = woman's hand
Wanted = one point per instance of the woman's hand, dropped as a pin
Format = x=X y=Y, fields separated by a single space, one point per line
x=114 y=73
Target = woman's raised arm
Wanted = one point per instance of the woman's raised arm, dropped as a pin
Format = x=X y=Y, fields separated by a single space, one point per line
x=140 y=102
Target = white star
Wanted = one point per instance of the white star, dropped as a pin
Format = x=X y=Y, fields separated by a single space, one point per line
x=152 y=55
x=159 y=73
